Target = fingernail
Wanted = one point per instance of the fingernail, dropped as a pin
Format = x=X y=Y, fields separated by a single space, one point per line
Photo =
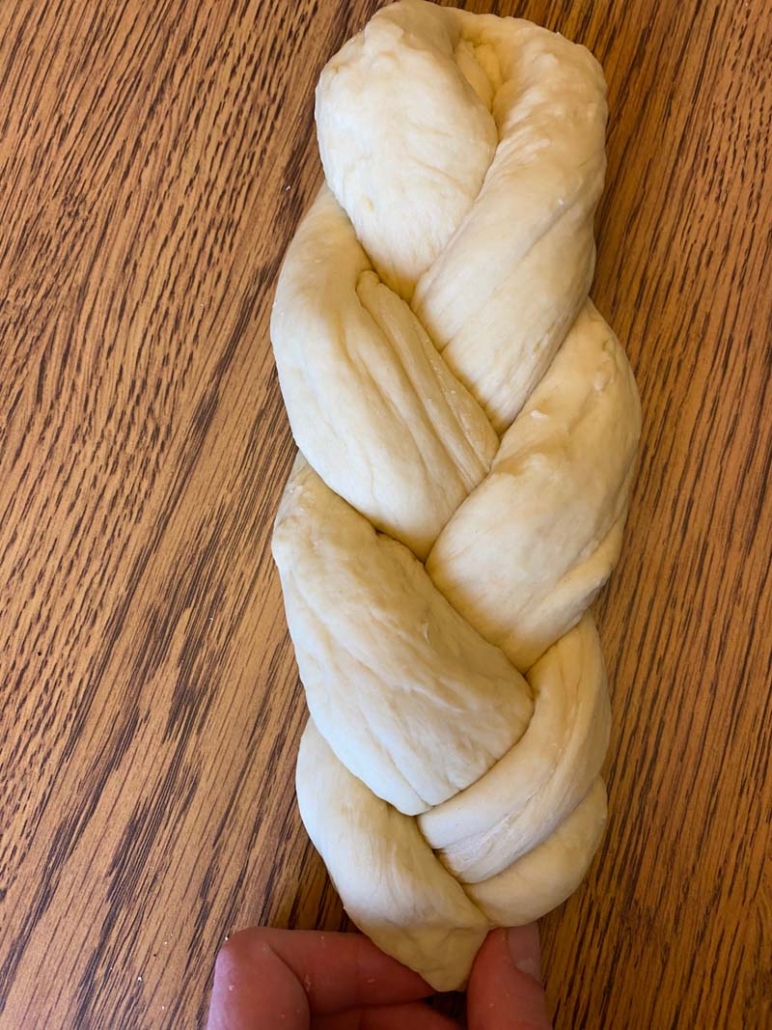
x=523 y=943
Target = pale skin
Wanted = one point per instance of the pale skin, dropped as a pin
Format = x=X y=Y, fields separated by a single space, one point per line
x=268 y=979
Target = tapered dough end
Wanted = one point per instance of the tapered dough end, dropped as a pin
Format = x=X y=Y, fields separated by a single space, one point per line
x=393 y=886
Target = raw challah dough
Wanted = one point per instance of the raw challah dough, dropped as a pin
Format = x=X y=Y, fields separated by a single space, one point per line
x=467 y=425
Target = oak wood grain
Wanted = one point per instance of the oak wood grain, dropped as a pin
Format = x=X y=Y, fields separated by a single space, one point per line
x=154 y=162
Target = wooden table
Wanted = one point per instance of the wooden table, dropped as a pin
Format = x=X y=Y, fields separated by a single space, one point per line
x=155 y=161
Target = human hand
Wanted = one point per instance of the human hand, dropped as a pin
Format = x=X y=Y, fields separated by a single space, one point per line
x=305 y=980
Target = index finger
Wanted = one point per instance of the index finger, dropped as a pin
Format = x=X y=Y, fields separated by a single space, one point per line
x=294 y=973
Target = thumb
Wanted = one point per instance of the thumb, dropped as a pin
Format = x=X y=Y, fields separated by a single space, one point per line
x=505 y=991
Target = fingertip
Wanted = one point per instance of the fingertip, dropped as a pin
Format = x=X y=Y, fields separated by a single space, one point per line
x=504 y=991
x=251 y=983
x=236 y=960
x=228 y=972
x=525 y=949
x=233 y=953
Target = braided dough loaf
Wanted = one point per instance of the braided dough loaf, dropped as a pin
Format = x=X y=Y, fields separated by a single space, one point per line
x=467 y=426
